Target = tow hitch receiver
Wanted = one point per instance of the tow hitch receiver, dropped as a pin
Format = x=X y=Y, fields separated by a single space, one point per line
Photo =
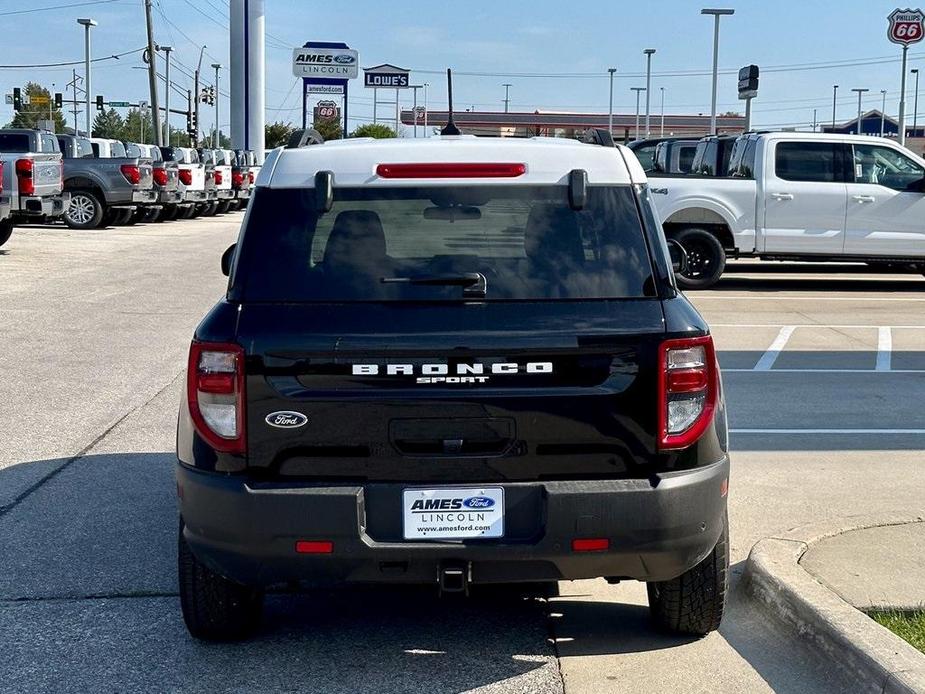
x=453 y=578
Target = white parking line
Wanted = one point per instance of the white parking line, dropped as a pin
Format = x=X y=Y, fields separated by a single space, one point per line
x=768 y=358
x=727 y=297
x=811 y=325
x=827 y=431
x=824 y=371
x=884 y=348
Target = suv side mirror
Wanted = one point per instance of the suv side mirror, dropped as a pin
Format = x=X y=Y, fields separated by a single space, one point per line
x=228 y=259
x=678 y=256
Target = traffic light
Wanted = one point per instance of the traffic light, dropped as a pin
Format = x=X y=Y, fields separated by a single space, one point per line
x=17 y=99
x=99 y=102
x=211 y=96
x=191 y=121
x=59 y=100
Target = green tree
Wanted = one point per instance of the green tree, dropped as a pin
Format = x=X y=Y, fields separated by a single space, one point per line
x=328 y=129
x=138 y=128
x=377 y=130
x=41 y=101
x=207 y=138
x=109 y=124
x=277 y=134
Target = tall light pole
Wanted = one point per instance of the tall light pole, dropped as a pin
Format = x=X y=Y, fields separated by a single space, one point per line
x=716 y=15
x=915 y=104
x=637 y=90
x=167 y=50
x=197 y=96
x=414 y=107
x=648 y=52
x=216 y=138
x=87 y=23
x=661 y=128
x=426 y=85
x=611 y=70
x=860 y=92
x=834 y=95
x=507 y=88
x=883 y=112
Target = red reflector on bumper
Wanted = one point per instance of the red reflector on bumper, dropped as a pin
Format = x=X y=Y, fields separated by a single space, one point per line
x=314 y=547
x=590 y=544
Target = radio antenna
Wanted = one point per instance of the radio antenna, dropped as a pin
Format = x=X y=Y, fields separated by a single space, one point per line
x=450 y=127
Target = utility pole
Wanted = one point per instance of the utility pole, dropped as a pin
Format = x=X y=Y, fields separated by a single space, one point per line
x=648 y=52
x=883 y=112
x=902 y=100
x=74 y=110
x=189 y=117
x=637 y=90
x=915 y=105
x=834 y=100
x=815 y=122
x=507 y=88
x=152 y=76
x=196 y=95
x=426 y=85
x=611 y=70
x=216 y=137
x=860 y=92
x=166 y=139
x=414 y=107
x=87 y=24
x=661 y=129
x=716 y=15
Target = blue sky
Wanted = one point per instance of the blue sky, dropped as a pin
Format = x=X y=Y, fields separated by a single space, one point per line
x=528 y=44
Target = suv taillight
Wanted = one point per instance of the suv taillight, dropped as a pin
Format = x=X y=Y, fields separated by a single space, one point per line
x=688 y=390
x=185 y=176
x=215 y=394
x=132 y=173
x=237 y=179
x=218 y=178
x=160 y=176
x=24 y=175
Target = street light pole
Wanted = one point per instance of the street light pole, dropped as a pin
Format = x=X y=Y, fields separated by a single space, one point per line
x=834 y=95
x=507 y=88
x=716 y=15
x=648 y=52
x=414 y=107
x=915 y=104
x=860 y=92
x=167 y=50
x=611 y=70
x=661 y=128
x=883 y=112
x=637 y=90
x=216 y=137
x=426 y=84
x=196 y=95
x=87 y=23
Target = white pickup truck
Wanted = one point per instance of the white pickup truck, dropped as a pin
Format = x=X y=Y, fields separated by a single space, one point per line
x=799 y=196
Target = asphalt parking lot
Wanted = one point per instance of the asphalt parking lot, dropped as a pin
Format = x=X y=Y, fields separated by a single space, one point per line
x=824 y=372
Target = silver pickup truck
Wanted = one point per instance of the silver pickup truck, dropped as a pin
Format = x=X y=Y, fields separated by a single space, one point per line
x=32 y=187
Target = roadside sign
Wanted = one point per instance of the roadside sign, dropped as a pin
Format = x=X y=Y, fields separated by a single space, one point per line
x=748 y=82
x=906 y=26
x=40 y=100
x=9 y=98
x=325 y=63
x=386 y=76
x=326 y=110
x=418 y=114
x=325 y=88
x=119 y=103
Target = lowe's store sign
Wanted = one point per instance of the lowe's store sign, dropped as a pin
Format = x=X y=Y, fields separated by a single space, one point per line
x=325 y=63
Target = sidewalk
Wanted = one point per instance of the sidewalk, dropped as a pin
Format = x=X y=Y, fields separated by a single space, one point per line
x=874 y=569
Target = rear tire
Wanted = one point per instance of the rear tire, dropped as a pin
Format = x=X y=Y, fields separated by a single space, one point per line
x=693 y=602
x=6 y=230
x=706 y=258
x=214 y=608
x=85 y=211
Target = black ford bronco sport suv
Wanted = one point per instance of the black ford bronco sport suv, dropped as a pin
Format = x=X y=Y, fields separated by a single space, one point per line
x=451 y=361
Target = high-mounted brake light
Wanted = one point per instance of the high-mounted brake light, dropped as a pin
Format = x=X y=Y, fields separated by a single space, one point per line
x=215 y=394
x=24 y=176
x=451 y=170
x=687 y=392
x=160 y=176
x=218 y=178
x=132 y=173
x=185 y=176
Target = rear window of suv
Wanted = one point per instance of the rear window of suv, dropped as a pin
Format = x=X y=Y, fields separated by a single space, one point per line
x=416 y=243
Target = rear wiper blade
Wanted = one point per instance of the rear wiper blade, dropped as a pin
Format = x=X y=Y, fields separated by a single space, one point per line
x=473 y=283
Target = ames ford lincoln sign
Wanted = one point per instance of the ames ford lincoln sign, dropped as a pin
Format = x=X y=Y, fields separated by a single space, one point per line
x=334 y=63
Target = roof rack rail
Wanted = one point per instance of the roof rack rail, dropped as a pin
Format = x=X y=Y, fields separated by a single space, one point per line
x=304 y=138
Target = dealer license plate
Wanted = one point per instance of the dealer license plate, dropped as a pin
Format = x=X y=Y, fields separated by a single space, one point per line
x=453 y=513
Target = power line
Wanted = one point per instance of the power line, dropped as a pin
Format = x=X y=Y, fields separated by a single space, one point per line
x=72 y=62
x=59 y=7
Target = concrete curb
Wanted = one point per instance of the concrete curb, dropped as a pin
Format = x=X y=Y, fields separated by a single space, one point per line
x=873 y=657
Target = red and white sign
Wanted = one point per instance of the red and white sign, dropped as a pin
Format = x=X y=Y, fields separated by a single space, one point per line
x=327 y=110
x=906 y=26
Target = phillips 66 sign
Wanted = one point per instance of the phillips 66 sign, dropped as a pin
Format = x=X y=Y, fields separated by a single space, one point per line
x=906 y=26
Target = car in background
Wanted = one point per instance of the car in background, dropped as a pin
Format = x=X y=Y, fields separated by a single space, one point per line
x=673 y=158
x=166 y=183
x=645 y=149
x=711 y=158
x=191 y=173
x=241 y=179
x=32 y=183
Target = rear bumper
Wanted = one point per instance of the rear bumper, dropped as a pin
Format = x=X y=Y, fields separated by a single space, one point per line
x=247 y=531
x=170 y=197
x=51 y=206
x=196 y=196
x=225 y=194
x=242 y=194
x=145 y=197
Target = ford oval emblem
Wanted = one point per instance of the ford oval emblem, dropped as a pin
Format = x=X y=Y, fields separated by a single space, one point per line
x=286 y=419
x=344 y=59
x=478 y=502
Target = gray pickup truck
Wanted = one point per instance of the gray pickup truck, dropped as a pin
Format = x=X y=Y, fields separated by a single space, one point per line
x=32 y=188
x=170 y=192
x=104 y=190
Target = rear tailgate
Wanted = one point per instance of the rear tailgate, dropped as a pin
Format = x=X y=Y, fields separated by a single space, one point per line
x=46 y=173
x=580 y=402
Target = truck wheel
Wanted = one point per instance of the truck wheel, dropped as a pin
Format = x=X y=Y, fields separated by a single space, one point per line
x=6 y=230
x=214 y=608
x=223 y=206
x=706 y=258
x=693 y=602
x=85 y=210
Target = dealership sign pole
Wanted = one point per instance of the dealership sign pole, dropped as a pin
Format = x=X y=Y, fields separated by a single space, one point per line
x=325 y=68
x=906 y=27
